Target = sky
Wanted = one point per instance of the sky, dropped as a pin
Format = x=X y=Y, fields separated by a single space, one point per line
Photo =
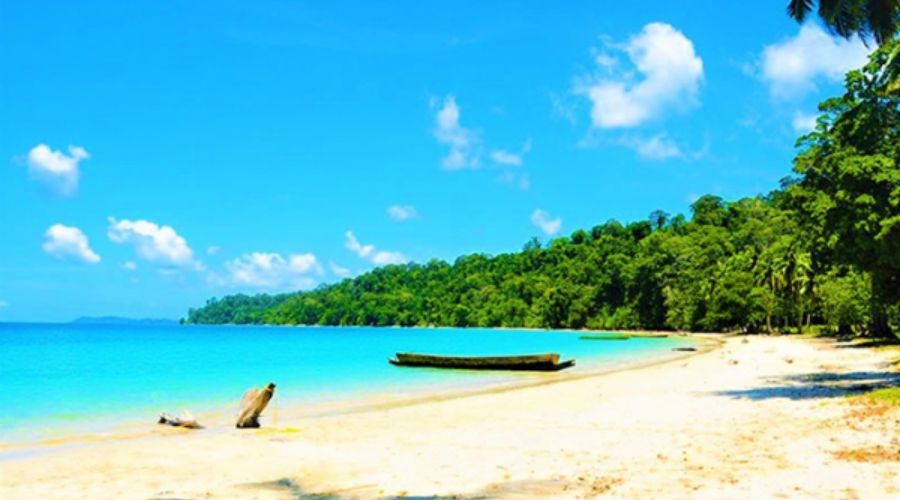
x=156 y=154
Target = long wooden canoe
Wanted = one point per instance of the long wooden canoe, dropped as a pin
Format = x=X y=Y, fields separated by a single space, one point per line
x=533 y=362
x=609 y=336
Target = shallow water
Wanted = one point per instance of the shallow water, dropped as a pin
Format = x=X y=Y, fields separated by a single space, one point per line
x=67 y=377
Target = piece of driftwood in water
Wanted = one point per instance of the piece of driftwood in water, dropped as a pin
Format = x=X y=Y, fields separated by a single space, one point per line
x=685 y=349
x=609 y=336
x=252 y=406
x=532 y=362
x=185 y=420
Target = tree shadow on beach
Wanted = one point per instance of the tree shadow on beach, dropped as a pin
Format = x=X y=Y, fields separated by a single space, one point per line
x=868 y=344
x=521 y=489
x=818 y=385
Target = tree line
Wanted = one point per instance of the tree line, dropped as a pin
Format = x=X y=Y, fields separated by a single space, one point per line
x=822 y=250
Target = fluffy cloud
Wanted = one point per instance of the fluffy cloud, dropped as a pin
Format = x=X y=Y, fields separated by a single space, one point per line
x=657 y=147
x=402 y=212
x=804 y=123
x=503 y=157
x=510 y=159
x=341 y=272
x=370 y=253
x=272 y=270
x=462 y=142
x=670 y=70
x=69 y=242
x=129 y=265
x=545 y=223
x=153 y=242
x=55 y=168
x=792 y=67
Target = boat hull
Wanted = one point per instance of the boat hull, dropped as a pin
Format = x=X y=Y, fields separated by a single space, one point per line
x=537 y=362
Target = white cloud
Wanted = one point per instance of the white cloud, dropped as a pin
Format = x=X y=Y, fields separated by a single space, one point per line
x=213 y=250
x=68 y=241
x=462 y=142
x=804 y=123
x=272 y=270
x=792 y=67
x=503 y=157
x=657 y=147
x=670 y=71
x=55 y=168
x=402 y=212
x=153 y=242
x=545 y=223
x=341 y=272
x=3 y=304
x=129 y=265
x=370 y=253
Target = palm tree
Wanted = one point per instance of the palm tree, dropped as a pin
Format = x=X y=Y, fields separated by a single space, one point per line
x=877 y=19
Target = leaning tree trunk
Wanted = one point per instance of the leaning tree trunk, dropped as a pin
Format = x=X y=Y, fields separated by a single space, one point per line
x=253 y=405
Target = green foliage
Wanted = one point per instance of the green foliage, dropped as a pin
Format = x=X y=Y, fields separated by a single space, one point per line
x=846 y=301
x=877 y=19
x=849 y=195
x=697 y=275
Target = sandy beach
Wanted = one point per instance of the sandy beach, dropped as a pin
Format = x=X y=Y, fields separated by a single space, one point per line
x=755 y=417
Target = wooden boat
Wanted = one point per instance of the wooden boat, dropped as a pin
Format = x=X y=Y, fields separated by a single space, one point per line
x=610 y=336
x=533 y=362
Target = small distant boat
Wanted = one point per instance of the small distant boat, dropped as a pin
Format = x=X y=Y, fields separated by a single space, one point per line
x=533 y=362
x=608 y=336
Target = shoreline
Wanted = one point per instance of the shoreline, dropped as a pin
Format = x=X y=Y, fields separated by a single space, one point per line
x=129 y=428
x=747 y=417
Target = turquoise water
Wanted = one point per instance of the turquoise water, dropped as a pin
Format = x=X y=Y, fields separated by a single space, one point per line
x=67 y=376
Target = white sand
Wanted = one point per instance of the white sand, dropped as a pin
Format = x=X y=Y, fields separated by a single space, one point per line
x=729 y=423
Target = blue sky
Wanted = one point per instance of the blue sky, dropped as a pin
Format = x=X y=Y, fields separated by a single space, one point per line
x=159 y=153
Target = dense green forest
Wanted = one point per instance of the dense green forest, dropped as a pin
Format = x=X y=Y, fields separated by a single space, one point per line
x=823 y=249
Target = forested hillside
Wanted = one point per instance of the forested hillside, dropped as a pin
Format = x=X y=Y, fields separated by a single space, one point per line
x=822 y=249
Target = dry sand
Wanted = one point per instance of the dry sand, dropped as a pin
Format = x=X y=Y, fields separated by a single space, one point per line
x=758 y=417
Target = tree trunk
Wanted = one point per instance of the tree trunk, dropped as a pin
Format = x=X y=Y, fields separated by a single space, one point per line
x=252 y=406
x=883 y=293
x=769 y=324
x=881 y=329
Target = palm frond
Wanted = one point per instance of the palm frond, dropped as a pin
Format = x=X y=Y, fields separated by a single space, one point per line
x=798 y=9
x=882 y=18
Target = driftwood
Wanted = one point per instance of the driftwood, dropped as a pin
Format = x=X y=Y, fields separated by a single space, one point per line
x=185 y=420
x=252 y=405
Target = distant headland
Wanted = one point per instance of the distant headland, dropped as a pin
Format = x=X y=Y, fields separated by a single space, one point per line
x=120 y=320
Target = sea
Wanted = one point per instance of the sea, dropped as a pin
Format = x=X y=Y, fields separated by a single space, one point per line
x=69 y=378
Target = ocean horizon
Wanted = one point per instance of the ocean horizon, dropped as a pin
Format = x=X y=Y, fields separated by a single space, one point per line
x=61 y=378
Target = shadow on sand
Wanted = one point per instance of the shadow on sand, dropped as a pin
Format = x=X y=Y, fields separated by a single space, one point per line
x=867 y=344
x=520 y=489
x=818 y=385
